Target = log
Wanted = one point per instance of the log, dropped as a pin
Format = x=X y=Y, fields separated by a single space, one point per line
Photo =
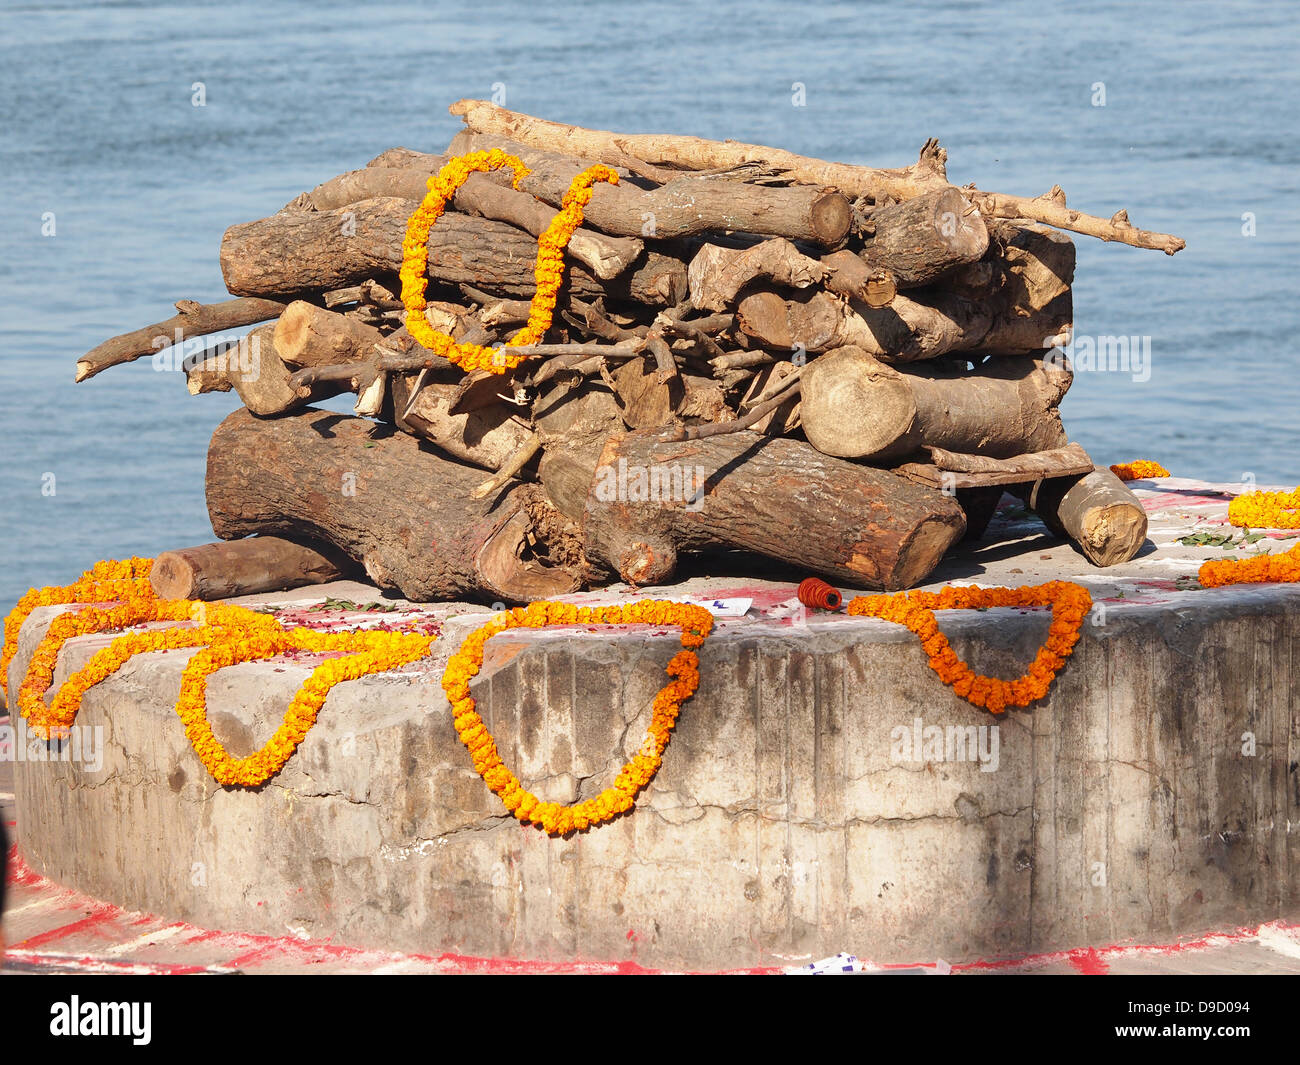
x=926 y=175
x=307 y=335
x=486 y=436
x=301 y=251
x=1097 y=511
x=648 y=401
x=847 y=275
x=717 y=273
x=1034 y=303
x=686 y=206
x=651 y=499
x=924 y=325
x=194 y=320
x=949 y=470
x=573 y=424
x=855 y=406
x=918 y=241
x=696 y=153
x=244 y=567
x=403 y=182
x=384 y=500
x=264 y=383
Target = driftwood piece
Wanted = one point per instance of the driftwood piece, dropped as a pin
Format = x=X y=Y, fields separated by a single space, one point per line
x=651 y=499
x=307 y=335
x=194 y=320
x=384 y=500
x=921 y=239
x=855 y=406
x=926 y=175
x=244 y=567
x=717 y=273
x=1097 y=511
x=684 y=207
x=300 y=251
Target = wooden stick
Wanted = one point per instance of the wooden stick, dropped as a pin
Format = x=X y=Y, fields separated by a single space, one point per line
x=517 y=462
x=1051 y=210
x=194 y=319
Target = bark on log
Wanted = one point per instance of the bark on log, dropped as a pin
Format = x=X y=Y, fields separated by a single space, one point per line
x=651 y=499
x=684 y=207
x=404 y=513
x=244 y=567
x=194 y=320
x=1098 y=511
x=299 y=251
x=307 y=335
x=920 y=240
x=855 y=406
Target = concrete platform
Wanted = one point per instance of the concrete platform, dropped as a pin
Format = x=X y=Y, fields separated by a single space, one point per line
x=1153 y=795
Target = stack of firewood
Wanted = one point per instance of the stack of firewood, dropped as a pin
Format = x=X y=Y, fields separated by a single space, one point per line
x=835 y=366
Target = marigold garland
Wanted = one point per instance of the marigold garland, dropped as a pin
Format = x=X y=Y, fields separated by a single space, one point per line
x=695 y=623
x=1139 y=470
x=1281 y=568
x=1266 y=510
x=1070 y=604
x=548 y=269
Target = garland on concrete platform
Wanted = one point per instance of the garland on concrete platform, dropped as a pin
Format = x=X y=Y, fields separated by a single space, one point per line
x=1266 y=510
x=1070 y=604
x=548 y=270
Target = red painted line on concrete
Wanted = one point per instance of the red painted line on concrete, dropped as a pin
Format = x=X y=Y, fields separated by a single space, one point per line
x=93 y=920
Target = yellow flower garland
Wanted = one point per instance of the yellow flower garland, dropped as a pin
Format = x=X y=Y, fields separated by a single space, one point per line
x=1139 y=470
x=548 y=269
x=1266 y=510
x=1070 y=604
x=695 y=623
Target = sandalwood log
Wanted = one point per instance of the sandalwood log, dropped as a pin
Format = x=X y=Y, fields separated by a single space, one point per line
x=855 y=406
x=244 y=567
x=384 y=500
x=920 y=240
x=686 y=206
x=300 y=251
x=1097 y=511
x=652 y=499
x=194 y=320
x=307 y=335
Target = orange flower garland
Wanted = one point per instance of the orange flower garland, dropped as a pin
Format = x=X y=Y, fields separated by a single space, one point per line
x=1070 y=604
x=1266 y=510
x=548 y=269
x=1139 y=470
x=695 y=623
x=1282 y=568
